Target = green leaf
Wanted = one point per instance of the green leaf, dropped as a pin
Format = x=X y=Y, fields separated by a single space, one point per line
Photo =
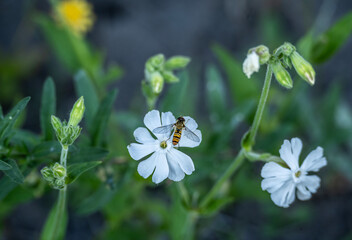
x=241 y=87
x=14 y=173
x=6 y=186
x=84 y=87
x=48 y=108
x=46 y=148
x=76 y=169
x=55 y=225
x=333 y=39
x=8 y=122
x=4 y=165
x=215 y=93
x=88 y=154
x=101 y=118
x=1 y=113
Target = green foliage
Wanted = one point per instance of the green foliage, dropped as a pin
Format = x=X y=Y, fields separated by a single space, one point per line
x=14 y=172
x=333 y=39
x=76 y=169
x=48 y=108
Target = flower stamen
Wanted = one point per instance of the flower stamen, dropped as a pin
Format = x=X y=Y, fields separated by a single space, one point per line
x=163 y=144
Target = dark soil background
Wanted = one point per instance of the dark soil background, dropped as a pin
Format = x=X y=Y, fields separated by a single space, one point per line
x=131 y=31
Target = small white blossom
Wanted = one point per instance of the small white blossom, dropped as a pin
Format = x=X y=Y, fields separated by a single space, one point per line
x=167 y=161
x=282 y=182
x=251 y=64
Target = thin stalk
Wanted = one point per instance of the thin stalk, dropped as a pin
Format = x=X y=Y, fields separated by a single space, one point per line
x=183 y=192
x=236 y=163
x=61 y=208
x=63 y=157
x=261 y=106
x=239 y=159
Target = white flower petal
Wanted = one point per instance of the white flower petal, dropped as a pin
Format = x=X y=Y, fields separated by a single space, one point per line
x=175 y=172
x=314 y=161
x=303 y=193
x=312 y=183
x=285 y=195
x=152 y=120
x=272 y=170
x=142 y=135
x=146 y=167
x=186 y=142
x=167 y=118
x=190 y=123
x=251 y=64
x=183 y=160
x=273 y=184
x=162 y=169
x=138 y=151
x=287 y=155
x=296 y=145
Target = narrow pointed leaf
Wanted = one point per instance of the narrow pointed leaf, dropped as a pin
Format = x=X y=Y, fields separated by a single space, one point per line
x=4 y=165
x=84 y=87
x=76 y=169
x=8 y=122
x=101 y=118
x=14 y=173
x=48 y=108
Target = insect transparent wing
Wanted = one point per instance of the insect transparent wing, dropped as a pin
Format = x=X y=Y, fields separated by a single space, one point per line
x=163 y=129
x=191 y=135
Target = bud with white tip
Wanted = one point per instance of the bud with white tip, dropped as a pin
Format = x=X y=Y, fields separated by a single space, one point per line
x=303 y=68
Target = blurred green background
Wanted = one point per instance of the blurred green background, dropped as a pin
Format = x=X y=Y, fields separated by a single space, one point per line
x=112 y=201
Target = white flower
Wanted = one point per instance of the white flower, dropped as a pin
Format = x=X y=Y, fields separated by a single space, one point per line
x=282 y=182
x=167 y=161
x=251 y=64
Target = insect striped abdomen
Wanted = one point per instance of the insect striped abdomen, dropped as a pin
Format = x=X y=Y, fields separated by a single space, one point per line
x=177 y=136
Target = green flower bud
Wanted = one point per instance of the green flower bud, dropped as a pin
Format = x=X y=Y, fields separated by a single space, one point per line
x=57 y=125
x=170 y=77
x=58 y=184
x=58 y=171
x=77 y=112
x=303 y=68
x=157 y=82
x=47 y=174
x=287 y=49
x=262 y=52
x=281 y=75
x=177 y=62
x=155 y=63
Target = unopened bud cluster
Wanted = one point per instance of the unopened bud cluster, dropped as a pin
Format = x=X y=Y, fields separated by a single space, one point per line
x=283 y=57
x=158 y=71
x=67 y=133
x=55 y=175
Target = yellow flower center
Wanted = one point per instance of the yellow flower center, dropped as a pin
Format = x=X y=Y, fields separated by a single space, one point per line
x=76 y=14
x=298 y=174
x=163 y=144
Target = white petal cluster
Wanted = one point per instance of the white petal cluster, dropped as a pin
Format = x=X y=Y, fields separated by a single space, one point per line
x=282 y=182
x=251 y=64
x=165 y=161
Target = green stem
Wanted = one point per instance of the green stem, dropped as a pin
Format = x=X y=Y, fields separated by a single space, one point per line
x=236 y=163
x=261 y=106
x=239 y=159
x=63 y=157
x=183 y=192
x=61 y=208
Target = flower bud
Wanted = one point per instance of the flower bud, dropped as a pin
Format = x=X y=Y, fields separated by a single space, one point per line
x=156 y=82
x=77 y=112
x=263 y=53
x=170 y=77
x=58 y=171
x=56 y=123
x=303 y=68
x=155 y=63
x=281 y=75
x=251 y=64
x=287 y=49
x=59 y=184
x=177 y=62
x=47 y=174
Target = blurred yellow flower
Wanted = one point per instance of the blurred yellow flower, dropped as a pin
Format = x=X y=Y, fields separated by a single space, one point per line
x=76 y=14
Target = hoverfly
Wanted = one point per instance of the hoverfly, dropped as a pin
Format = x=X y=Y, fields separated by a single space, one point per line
x=179 y=126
